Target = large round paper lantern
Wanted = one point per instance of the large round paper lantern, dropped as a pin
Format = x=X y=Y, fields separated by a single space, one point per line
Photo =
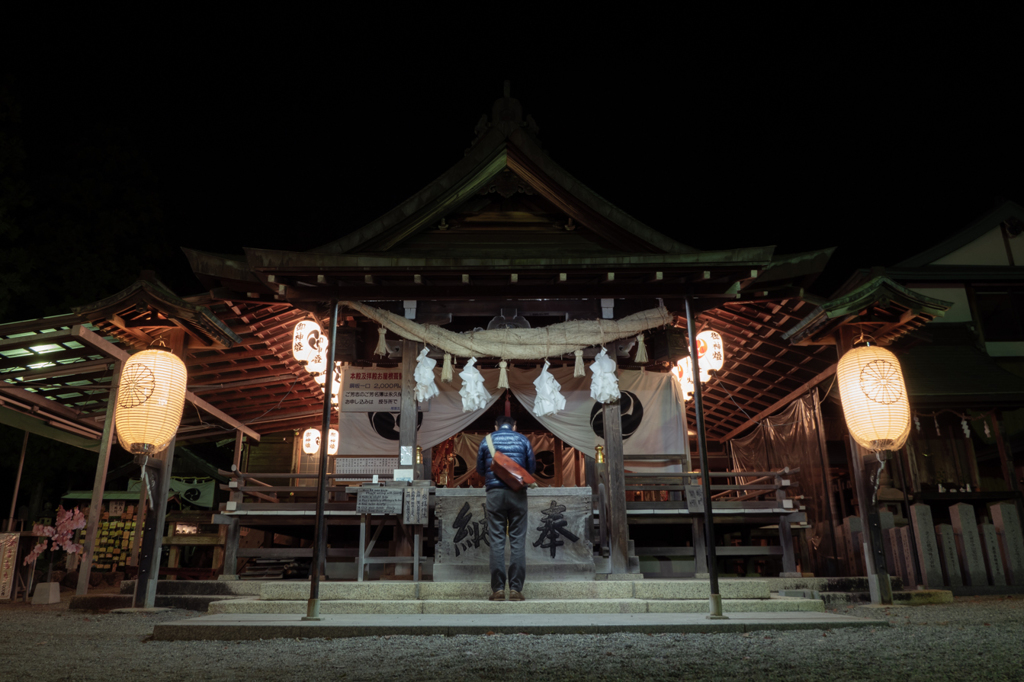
x=874 y=398
x=332 y=442
x=150 y=401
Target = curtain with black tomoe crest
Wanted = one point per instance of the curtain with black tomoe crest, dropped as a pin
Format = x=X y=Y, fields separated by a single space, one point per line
x=790 y=439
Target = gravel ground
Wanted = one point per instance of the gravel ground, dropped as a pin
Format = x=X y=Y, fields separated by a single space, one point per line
x=975 y=638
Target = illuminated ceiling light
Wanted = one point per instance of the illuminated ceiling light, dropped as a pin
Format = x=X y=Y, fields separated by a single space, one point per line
x=150 y=401
x=874 y=398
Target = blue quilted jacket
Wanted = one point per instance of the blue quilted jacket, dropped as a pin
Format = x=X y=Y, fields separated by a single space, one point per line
x=510 y=443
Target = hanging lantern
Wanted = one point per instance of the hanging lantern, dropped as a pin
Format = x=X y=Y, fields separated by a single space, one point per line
x=332 y=442
x=874 y=398
x=150 y=401
x=683 y=372
x=317 y=359
x=710 y=353
x=305 y=340
x=311 y=441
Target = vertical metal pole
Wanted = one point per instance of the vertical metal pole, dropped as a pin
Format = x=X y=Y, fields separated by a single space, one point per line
x=819 y=425
x=320 y=537
x=17 y=484
x=715 y=601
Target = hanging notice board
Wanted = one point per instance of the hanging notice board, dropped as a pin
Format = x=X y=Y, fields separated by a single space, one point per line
x=373 y=389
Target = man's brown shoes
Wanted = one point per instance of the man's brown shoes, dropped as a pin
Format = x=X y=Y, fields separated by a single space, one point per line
x=498 y=595
x=516 y=596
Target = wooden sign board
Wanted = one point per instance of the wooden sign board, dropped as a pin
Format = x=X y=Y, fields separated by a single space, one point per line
x=379 y=501
x=8 y=562
x=694 y=499
x=416 y=500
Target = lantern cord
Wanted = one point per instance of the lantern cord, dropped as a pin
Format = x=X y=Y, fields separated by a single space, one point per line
x=876 y=478
x=824 y=395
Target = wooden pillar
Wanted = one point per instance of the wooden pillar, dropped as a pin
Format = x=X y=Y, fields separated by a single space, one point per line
x=99 y=484
x=17 y=483
x=237 y=461
x=618 y=527
x=407 y=425
x=231 y=538
x=785 y=533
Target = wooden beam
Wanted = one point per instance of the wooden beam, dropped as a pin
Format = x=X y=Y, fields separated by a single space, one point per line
x=217 y=414
x=779 y=404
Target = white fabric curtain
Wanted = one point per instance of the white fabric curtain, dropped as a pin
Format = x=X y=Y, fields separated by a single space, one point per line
x=652 y=420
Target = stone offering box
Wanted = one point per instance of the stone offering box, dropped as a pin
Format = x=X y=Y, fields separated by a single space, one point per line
x=558 y=543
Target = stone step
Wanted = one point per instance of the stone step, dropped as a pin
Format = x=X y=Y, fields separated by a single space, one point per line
x=108 y=602
x=544 y=606
x=899 y=598
x=227 y=588
x=394 y=590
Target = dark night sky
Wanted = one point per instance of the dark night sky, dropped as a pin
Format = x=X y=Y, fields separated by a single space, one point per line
x=292 y=131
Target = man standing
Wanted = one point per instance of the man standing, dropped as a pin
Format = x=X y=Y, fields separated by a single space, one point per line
x=506 y=509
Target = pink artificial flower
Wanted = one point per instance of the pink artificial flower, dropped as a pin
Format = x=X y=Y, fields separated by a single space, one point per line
x=62 y=533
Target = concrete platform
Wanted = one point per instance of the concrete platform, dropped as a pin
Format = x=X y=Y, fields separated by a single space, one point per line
x=533 y=606
x=582 y=589
x=254 y=626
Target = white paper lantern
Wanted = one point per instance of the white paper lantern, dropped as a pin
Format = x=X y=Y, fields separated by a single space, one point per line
x=710 y=353
x=305 y=340
x=683 y=372
x=311 y=441
x=150 y=400
x=874 y=398
x=332 y=442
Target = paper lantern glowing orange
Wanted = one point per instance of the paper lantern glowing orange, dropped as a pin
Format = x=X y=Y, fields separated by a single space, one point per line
x=874 y=398
x=150 y=401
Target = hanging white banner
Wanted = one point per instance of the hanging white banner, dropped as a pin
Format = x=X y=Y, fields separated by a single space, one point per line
x=652 y=421
x=650 y=405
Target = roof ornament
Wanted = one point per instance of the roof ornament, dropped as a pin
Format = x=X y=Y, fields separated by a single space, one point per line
x=506 y=116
